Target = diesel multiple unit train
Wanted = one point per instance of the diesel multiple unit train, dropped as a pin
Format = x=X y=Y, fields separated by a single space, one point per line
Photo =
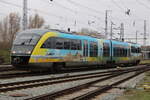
x=53 y=49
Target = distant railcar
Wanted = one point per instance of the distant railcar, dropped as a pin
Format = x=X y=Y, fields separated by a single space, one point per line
x=52 y=49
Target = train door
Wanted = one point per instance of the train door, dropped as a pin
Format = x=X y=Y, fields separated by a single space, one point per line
x=107 y=52
x=85 y=48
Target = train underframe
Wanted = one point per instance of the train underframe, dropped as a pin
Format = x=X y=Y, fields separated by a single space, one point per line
x=22 y=62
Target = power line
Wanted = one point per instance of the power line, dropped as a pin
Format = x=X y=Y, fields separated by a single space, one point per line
x=141 y=3
x=60 y=5
x=30 y=9
x=80 y=5
x=114 y=2
x=77 y=4
x=35 y=10
x=126 y=12
x=19 y=6
x=93 y=10
x=120 y=7
x=73 y=11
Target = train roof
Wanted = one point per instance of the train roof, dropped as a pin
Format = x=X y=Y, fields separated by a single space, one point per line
x=35 y=31
x=70 y=34
x=43 y=31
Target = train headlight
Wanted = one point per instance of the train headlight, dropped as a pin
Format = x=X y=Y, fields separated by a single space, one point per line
x=28 y=52
x=13 y=52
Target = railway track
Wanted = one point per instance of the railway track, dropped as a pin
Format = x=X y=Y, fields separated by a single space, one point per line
x=103 y=89
x=49 y=81
x=6 y=68
x=91 y=94
x=22 y=74
x=11 y=72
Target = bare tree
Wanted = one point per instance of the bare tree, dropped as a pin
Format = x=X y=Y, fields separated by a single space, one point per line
x=8 y=28
x=36 y=21
x=10 y=25
x=14 y=25
x=4 y=28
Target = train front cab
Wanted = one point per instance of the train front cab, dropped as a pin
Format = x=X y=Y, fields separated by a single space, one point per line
x=22 y=48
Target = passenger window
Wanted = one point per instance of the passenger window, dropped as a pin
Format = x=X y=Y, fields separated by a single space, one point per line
x=135 y=49
x=139 y=50
x=47 y=43
x=85 y=49
x=67 y=44
x=106 y=49
x=93 y=49
x=119 y=51
x=62 y=43
x=78 y=42
x=59 y=43
x=73 y=45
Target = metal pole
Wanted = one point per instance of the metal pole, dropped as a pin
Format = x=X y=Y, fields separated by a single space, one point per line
x=111 y=30
x=25 y=18
x=106 y=23
x=122 y=26
x=144 y=42
x=120 y=33
x=136 y=36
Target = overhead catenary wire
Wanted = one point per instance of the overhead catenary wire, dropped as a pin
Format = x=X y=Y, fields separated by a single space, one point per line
x=85 y=7
x=115 y=3
x=11 y=3
x=90 y=9
x=72 y=10
x=30 y=9
x=143 y=4
x=80 y=5
x=68 y=18
x=127 y=8
x=35 y=10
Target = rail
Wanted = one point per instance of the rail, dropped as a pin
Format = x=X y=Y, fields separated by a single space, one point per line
x=51 y=96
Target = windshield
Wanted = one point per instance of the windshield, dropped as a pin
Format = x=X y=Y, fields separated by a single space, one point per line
x=26 y=39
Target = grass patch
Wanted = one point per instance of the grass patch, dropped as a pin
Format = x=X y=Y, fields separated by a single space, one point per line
x=5 y=53
x=140 y=93
x=136 y=95
x=145 y=62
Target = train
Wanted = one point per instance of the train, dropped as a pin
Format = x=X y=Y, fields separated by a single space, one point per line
x=49 y=49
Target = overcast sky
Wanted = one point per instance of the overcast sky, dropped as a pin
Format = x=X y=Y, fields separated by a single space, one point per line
x=90 y=14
